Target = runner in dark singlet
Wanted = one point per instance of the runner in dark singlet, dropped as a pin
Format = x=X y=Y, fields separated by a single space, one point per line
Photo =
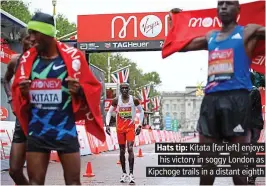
x=256 y=119
x=18 y=149
x=225 y=110
x=52 y=122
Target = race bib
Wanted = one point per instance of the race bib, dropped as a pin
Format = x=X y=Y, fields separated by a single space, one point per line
x=46 y=91
x=125 y=112
x=221 y=65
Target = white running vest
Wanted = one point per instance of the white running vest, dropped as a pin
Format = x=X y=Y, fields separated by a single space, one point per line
x=121 y=107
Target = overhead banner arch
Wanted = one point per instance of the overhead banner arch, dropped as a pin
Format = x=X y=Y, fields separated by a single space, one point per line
x=122 y=32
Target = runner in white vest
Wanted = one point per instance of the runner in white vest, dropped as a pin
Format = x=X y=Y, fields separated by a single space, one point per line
x=125 y=106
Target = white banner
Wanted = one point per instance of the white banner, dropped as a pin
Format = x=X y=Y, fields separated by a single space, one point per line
x=83 y=141
x=110 y=142
x=162 y=135
x=156 y=137
x=114 y=137
x=146 y=136
x=6 y=132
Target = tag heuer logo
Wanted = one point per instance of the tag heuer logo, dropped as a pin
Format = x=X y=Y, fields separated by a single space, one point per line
x=107 y=45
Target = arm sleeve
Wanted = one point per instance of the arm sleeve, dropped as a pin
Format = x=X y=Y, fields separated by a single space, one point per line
x=108 y=115
x=139 y=107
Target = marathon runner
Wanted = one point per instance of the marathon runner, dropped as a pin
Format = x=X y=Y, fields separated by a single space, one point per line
x=18 y=148
x=256 y=119
x=225 y=110
x=125 y=106
x=53 y=89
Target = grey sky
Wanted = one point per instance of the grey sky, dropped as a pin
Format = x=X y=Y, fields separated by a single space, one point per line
x=176 y=71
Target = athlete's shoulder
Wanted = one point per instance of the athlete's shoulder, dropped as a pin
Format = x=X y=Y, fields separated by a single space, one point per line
x=251 y=28
x=251 y=25
x=14 y=57
x=210 y=33
x=13 y=60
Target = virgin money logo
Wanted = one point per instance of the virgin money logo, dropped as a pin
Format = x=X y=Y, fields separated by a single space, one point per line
x=206 y=22
x=151 y=26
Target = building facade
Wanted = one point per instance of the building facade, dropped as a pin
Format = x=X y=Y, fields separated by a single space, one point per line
x=183 y=106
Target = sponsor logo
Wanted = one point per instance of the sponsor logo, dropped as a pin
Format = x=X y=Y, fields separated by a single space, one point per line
x=125 y=44
x=222 y=54
x=238 y=128
x=130 y=44
x=206 y=22
x=92 y=46
x=58 y=67
x=236 y=36
x=107 y=45
x=259 y=60
x=123 y=32
x=88 y=46
x=150 y=26
x=46 y=84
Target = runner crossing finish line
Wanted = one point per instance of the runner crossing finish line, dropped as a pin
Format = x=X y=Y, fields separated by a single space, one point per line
x=226 y=107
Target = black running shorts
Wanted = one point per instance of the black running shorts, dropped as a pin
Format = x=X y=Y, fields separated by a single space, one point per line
x=225 y=114
x=36 y=144
x=18 y=136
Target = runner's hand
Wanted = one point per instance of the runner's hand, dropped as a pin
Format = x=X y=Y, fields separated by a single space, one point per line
x=173 y=11
x=108 y=131
x=138 y=130
x=73 y=85
x=24 y=87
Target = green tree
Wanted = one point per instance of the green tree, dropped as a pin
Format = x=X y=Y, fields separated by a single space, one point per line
x=64 y=26
x=18 y=9
x=136 y=76
x=152 y=77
